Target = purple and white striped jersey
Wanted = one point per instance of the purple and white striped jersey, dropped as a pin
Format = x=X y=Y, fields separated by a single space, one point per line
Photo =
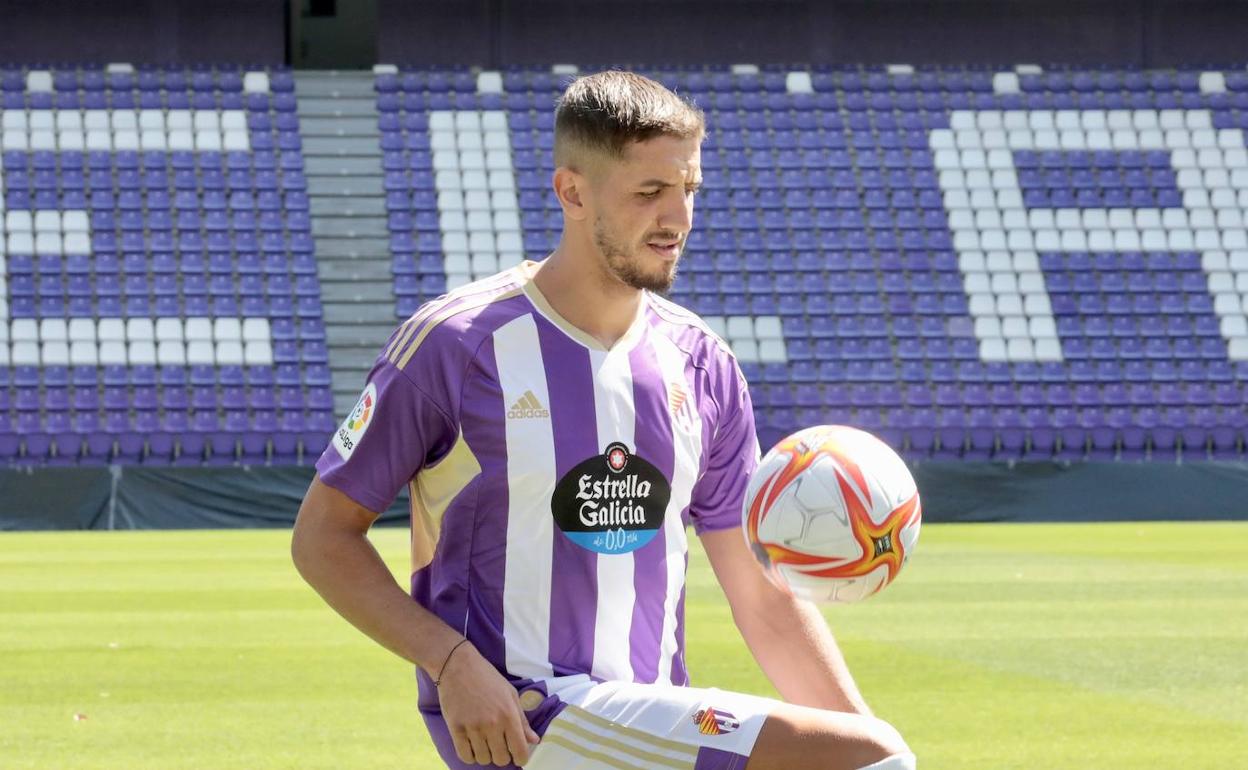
x=552 y=479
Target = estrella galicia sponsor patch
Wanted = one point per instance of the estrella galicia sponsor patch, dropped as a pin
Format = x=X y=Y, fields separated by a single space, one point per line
x=611 y=503
x=352 y=429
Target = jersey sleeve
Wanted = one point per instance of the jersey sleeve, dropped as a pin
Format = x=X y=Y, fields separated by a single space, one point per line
x=394 y=430
x=732 y=456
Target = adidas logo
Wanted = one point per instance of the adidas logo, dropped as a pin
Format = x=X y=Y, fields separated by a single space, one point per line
x=527 y=407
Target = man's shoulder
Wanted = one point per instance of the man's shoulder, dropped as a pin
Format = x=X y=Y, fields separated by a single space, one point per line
x=689 y=332
x=452 y=327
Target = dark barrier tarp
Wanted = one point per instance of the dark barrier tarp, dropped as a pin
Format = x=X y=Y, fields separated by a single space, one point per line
x=182 y=498
x=962 y=491
x=55 y=498
x=188 y=498
x=157 y=498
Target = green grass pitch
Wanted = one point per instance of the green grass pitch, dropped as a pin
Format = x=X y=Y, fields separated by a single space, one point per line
x=1001 y=646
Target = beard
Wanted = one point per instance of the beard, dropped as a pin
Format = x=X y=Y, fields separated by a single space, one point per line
x=627 y=267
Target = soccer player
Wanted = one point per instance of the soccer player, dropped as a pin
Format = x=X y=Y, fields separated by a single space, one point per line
x=558 y=426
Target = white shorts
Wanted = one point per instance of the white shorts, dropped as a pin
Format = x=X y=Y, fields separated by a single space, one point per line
x=626 y=726
x=614 y=725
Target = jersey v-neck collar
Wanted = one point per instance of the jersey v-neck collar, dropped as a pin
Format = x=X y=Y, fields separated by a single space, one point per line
x=528 y=269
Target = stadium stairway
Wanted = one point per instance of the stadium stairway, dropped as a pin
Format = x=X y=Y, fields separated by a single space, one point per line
x=338 y=120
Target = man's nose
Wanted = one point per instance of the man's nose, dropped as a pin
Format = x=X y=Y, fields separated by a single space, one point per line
x=677 y=216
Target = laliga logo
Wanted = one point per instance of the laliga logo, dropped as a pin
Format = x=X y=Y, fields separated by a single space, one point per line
x=362 y=411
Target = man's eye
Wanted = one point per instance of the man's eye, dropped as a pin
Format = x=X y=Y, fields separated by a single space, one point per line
x=650 y=195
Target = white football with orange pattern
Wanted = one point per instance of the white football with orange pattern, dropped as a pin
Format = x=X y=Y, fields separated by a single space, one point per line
x=832 y=513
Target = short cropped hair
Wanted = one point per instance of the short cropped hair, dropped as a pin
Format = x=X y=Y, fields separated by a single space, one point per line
x=605 y=112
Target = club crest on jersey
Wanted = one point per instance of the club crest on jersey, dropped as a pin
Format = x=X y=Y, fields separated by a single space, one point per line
x=348 y=436
x=712 y=721
x=611 y=503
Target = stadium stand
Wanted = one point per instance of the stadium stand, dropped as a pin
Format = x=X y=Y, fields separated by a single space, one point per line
x=1020 y=264
x=161 y=289
x=978 y=264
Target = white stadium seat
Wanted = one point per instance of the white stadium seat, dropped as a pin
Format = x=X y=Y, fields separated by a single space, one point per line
x=988 y=327
x=140 y=330
x=256 y=330
x=152 y=120
x=494 y=120
x=24 y=330
x=484 y=264
x=169 y=330
x=229 y=353
x=256 y=83
x=745 y=350
x=83 y=354
x=1009 y=304
x=1015 y=327
x=993 y=349
x=1020 y=350
x=772 y=351
x=768 y=328
x=81 y=330
x=258 y=353
x=113 y=353
x=200 y=353
x=144 y=354
x=171 y=352
x=1234 y=326
x=227 y=330
x=25 y=354
x=1040 y=328
x=198 y=329
x=510 y=242
x=53 y=330
x=717 y=325
x=740 y=327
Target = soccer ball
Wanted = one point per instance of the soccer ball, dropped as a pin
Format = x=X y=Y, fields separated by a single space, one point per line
x=832 y=513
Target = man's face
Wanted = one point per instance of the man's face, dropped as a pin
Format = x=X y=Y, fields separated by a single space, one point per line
x=643 y=210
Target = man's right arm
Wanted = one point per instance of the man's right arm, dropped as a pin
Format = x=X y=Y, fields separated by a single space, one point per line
x=333 y=554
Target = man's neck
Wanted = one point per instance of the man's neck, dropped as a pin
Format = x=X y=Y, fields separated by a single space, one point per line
x=587 y=297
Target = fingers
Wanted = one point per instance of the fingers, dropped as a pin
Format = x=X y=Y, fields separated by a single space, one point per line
x=463 y=747
x=480 y=750
x=499 y=753
x=518 y=749
x=517 y=740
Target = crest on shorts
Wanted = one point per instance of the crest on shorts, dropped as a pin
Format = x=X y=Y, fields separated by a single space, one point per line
x=712 y=721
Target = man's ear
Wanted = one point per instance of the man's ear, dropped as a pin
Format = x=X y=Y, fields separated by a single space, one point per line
x=570 y=188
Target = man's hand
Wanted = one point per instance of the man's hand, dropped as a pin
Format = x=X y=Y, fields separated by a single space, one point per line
x=333 y=554
x=483 y=712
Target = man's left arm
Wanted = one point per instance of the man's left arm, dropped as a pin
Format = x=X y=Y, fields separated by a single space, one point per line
x=787 y=636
